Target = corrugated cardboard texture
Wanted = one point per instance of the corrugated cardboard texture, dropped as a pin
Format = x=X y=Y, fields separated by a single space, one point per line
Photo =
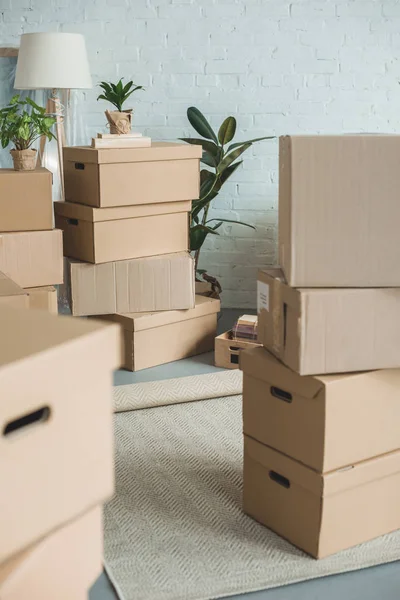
x=139 y=285
x=304 y=417
x=33 y=258
x=25 y=200
x=321 y=514
x=339 y=209
x=227 y=350
x=11 y=293
x=63 y=565
x=95 y=215
x=109 y=240
x=330 y=330
x=43 y=298
x=164 y=172
x=44 y=435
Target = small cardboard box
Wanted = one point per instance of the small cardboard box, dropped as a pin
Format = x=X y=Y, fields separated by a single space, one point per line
x=11 y=293
x=99 y=235
x=339 y=210
x=25 y=200
x=227 y=350
x=61 y=566
x=321 y=514
x=32 y=258
x=327 y=421
x=43 y=298
x=139 y=285
x=164 y=172
x=316 y=331
x=152 y=339
x=56 y=443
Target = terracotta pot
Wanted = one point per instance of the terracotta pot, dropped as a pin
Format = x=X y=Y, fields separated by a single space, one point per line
x=24 y=160
x=120 y=122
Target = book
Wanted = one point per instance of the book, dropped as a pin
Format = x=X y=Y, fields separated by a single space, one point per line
x=121 y=142
x=113 y=136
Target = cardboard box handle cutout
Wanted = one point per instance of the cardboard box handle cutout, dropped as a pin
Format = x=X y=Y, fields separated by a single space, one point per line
x=281 y=394
x=280 y=479
x=33 y=418
x=72 y=221
x=234 y=350
x=80 y=166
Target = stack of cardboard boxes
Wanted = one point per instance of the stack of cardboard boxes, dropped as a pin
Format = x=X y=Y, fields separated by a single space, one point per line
x=30 y=249
x=321 y=400
x=56 y=452
x=126 y=236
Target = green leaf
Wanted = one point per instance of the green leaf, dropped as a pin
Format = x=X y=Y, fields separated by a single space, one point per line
x=209 y=160
x=207 y=145
x=207 y=184
x=198 y=205
x=231 y=221
x=237 y=144
x=229 y=158
x=14 y=99
x=198 y=234
x=200 y=124
x=33 y=104
x=228 y=172
x=227 y=130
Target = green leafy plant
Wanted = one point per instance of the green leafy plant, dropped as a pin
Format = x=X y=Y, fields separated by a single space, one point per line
x=22 y=122
x=223 y=163
x=118 y=93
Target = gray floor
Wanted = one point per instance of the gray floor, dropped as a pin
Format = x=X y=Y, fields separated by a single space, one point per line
x=381 y=583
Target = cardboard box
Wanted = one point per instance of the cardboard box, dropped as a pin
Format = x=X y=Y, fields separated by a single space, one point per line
x=339 y=209
x=56 y=447
x=99 y=235
x=321 y=514
x=139 y=285
x=11 y=293
x=43 y=298
x=227 y=350
x=152 y=339
x=63 y=565
x=304 y=417
x=165 y=172
x=25 y=200
x=316 y=331
x=32 y=258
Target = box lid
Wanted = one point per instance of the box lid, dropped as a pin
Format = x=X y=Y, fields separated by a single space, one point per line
x=95 y=215
x=157 y=151
x=140 y=321
x=8 y=287
x=41 y=171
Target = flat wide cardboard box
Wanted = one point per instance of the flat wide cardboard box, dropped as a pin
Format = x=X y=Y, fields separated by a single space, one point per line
x=227 y=350
x=339 y=210
x=11 y=293
x=326 y=422
x=315 y=331
x=32 y=258
x=25 y=200
x=163 y=172
x=321 y=514
x=139 y=285
x=99 y=235
x=43 y=298
x=56 y=447
x=152 y=339
x=61 y=566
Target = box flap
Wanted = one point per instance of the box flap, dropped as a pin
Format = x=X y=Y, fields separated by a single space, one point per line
x=157 y=151
x=140 y=321
x=8 y=287
x=40 y=171
x=72 y=210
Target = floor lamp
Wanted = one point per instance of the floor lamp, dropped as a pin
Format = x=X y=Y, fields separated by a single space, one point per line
x=53 y=61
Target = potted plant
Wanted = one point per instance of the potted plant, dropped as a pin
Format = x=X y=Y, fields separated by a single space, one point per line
x=222 y=162
x=117 y=94
x=22 y=122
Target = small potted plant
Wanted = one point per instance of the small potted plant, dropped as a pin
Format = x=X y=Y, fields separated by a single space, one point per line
x=23 y=122
x=117 y=94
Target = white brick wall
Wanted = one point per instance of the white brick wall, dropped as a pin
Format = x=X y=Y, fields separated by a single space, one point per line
x=278 y=66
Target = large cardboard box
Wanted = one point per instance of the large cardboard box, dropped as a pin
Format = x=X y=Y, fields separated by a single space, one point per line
x=43 y=298
x=139 y=285
x=25 y=200
x=321 y=514
x=228 y=350
x=316 y=331
x=152 y=339
x=339 y=209
x=56 y=446
x=164 y=172
x=61 y=566
x=326 y=422
x=99 y=235
x=32 y=258
x=11 y=293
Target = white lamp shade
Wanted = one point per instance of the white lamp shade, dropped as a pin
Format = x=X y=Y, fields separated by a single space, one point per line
x=52 y=60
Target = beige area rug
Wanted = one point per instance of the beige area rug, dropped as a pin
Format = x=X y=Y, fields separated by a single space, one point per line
x=175 y=529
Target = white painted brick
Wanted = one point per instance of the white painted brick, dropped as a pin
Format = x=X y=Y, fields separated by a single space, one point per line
x=326 y=8
x=223 y=11
x=268 y=9
x=227 y=66
x=391 y=8
x=359 y=8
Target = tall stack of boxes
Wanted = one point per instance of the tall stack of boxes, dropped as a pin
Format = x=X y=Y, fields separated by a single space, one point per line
x=31 y=262
x=56 y=452
x=321 y=399
x=126 y=236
